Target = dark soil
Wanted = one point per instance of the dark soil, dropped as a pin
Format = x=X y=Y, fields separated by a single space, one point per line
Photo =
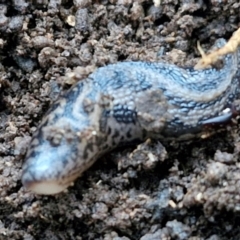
x=192 y=194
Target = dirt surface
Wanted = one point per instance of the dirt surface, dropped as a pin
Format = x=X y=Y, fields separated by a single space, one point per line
x=188 y=191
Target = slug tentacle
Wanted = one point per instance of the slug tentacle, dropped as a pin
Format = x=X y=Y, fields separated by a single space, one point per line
x=118 y=104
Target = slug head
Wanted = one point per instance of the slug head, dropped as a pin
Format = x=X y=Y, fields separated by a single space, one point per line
x=56 y=157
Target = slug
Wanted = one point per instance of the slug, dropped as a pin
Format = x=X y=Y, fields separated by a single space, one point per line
x=120 y=103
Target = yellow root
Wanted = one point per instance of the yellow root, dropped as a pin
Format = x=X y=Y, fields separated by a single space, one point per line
x=231 y=46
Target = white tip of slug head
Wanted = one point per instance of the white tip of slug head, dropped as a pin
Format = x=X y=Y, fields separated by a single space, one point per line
x=38 y=182
x=50 y=169
x=46 y=181
x=42 y=178
x=42 y=187
x=45 y=173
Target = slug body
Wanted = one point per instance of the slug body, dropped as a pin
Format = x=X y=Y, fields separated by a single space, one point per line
x=118 y=104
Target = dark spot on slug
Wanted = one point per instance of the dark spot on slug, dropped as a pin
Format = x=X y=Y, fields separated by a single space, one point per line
x=129 y=135
x=109 y=130
x=116 y=134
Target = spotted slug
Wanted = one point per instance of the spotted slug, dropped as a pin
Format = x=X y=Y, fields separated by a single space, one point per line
x=120 y=103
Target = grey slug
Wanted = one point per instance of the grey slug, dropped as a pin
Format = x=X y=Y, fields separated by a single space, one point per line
x=122 y=102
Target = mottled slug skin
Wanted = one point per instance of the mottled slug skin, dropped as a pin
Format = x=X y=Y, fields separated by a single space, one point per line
x=118 y=104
